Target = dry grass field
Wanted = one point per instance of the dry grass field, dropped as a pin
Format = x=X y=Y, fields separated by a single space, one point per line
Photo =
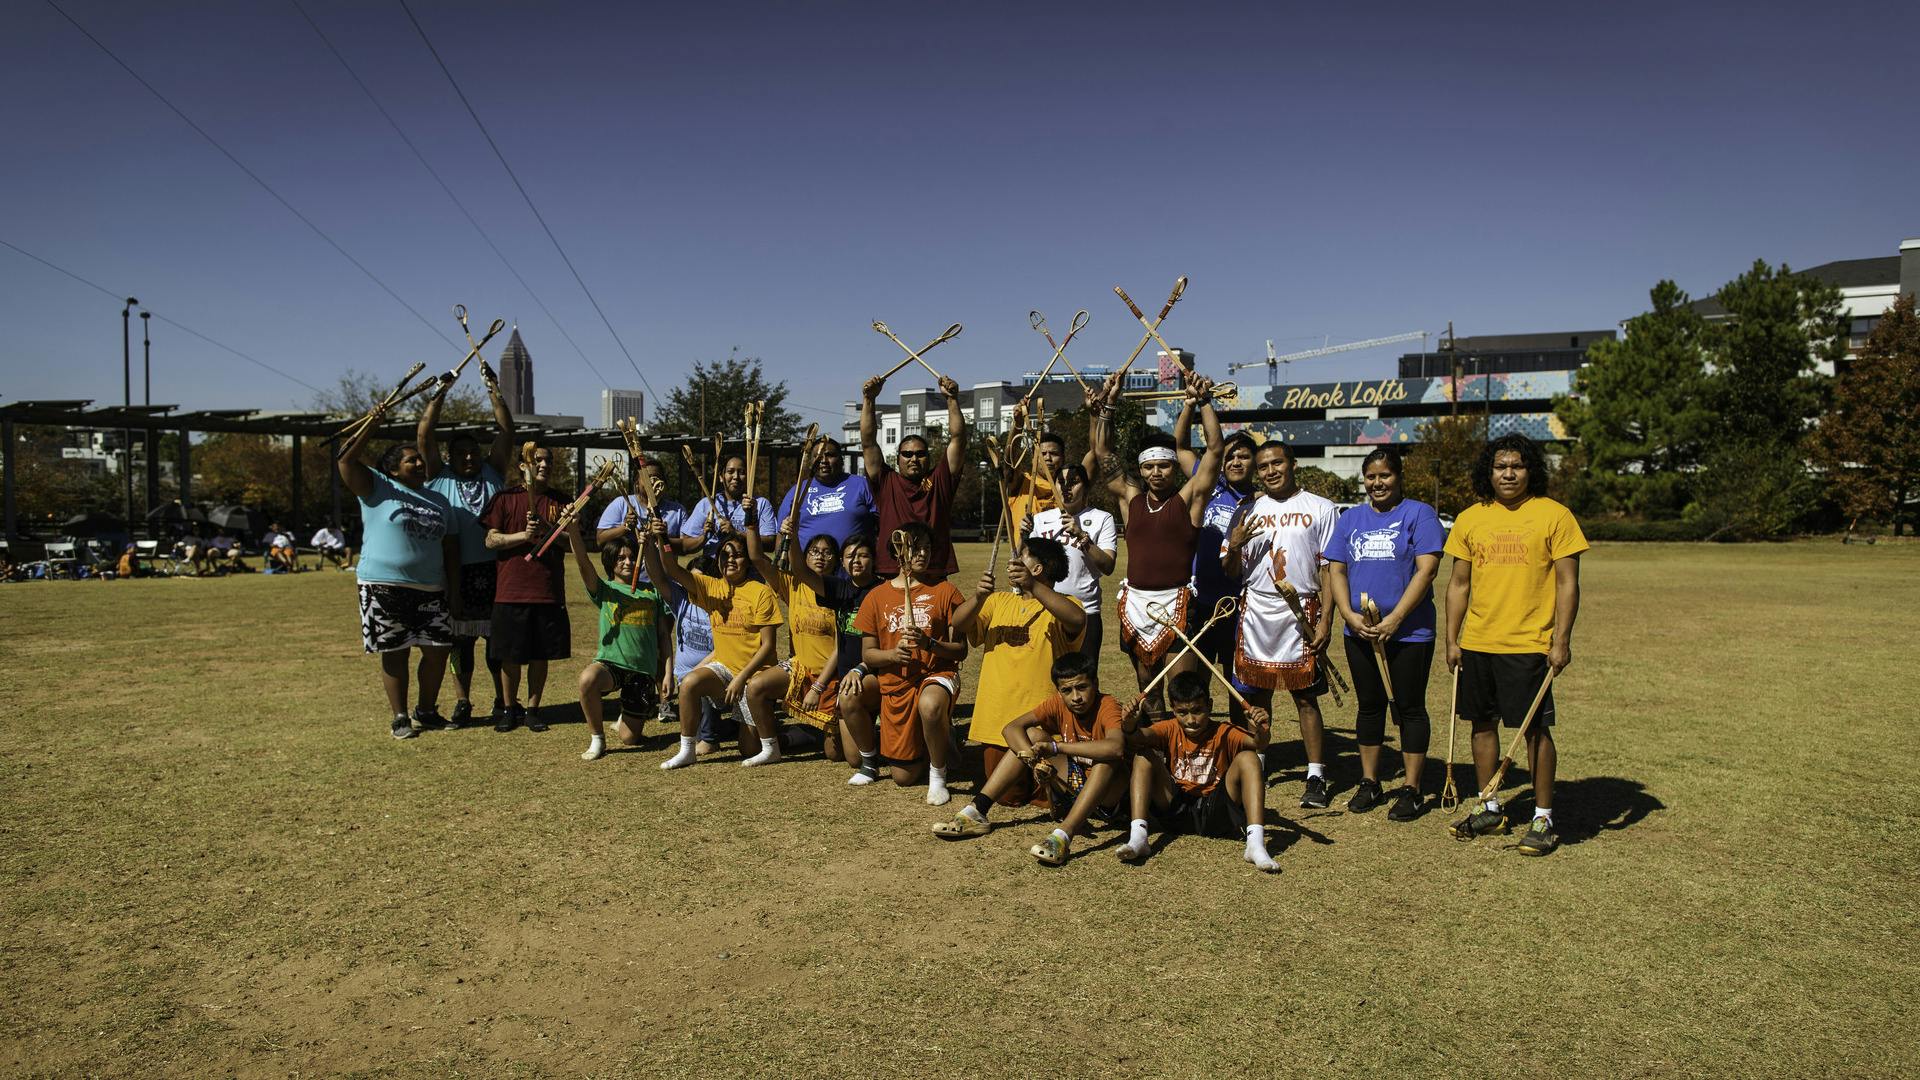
x=213 y=860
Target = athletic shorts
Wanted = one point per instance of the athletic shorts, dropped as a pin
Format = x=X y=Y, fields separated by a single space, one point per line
x=476 y=599
x=1500 y=686
x=1072 y=772
x=1209 y=813
x=394 y=618
x=524 y=633
x=901 y=739
x=639 y=691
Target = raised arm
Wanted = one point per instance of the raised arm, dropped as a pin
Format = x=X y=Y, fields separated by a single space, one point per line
x=354 y=472
x=423 y=431
x=1066 y=610
x=803 y=575
x=874 y=462
x=757 y=549
x=582 y=561
x=1182 y=433
x=1199 y=486
x=956 y=428
x=664 y=569
x=501 y=452
x=1107 y=468
x=968 y=612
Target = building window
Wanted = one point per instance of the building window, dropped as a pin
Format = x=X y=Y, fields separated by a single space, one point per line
x=912 y=414
x=1861 y=329
x=985 y=407
x=890 y=438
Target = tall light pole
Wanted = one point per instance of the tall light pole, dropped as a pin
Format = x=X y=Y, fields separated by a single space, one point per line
x=152 y=437
x=146 y=355
x=126 y=384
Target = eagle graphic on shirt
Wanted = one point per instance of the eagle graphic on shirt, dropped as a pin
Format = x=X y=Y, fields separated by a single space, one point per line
x=1375 y=544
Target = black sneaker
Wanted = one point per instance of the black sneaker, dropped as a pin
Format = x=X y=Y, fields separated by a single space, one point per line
x=430 y=720
x=506 y=718
x=1407 y=805
x=1480 y=823
x=403 y=727
x=462 y=715
x=1540 y=838
x=1365 y=797
x=1316 y=795
x=534 y=723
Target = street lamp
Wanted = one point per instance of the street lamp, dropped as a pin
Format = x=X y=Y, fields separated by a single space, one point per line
x=126 y=385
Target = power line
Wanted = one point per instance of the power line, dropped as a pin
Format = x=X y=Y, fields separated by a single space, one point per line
x=529 y=199
x=255 y=177
x=455 y=199
x=117 y=296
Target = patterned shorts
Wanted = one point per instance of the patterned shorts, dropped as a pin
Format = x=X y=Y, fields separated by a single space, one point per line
x=394 y=618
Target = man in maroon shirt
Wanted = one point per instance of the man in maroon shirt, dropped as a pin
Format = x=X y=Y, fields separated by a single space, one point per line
x=915 y=492
x=530 y=599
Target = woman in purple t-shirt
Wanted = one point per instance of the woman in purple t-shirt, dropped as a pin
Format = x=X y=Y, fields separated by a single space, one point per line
x=1388 y=549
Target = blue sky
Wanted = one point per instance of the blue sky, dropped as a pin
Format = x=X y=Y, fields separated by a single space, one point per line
x=775 y=177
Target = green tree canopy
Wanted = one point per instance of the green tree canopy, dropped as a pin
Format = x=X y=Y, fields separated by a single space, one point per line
x=1440 y=466
x=1869 y=442
x=1642 y=410
x=713 y=400
x=1763 y=353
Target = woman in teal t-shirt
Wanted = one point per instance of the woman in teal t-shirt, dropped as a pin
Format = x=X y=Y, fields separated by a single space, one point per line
x=409 y=567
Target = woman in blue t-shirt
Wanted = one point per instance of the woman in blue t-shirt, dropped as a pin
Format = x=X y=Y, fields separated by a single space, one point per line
x=409 y=567
x=1388 y=550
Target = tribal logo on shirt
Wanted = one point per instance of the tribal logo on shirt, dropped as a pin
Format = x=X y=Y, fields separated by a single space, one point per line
x=828 y=502
x=1376 y=544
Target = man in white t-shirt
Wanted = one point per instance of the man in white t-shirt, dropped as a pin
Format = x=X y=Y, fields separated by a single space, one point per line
x=1278 y=537
x=332 y=545
x=1089 y=535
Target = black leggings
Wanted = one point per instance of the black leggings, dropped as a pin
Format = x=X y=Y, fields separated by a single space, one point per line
x=1408 y=663
x=463 y=660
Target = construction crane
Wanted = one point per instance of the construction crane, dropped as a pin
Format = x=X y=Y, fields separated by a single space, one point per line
x=1272 y=362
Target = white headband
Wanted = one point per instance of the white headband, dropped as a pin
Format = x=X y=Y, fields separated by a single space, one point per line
x=1157 y=453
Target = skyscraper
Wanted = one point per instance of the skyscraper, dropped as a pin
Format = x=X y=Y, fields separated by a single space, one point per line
x=617 y=405
x=516 y=376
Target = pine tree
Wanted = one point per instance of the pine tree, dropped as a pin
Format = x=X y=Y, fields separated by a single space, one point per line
x=1869 y=441
x=1642 y=410
x=1440 y=465
x=714 y=398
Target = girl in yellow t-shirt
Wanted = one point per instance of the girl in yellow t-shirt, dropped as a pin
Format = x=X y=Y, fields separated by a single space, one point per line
x=805 y=682
x=744 y=616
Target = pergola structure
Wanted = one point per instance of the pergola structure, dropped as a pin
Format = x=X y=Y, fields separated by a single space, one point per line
x=155 y=420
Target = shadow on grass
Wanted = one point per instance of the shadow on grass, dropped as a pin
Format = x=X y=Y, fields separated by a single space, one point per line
x=1601 y=804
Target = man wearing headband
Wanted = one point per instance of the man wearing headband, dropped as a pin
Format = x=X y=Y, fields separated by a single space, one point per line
x=1160 y=514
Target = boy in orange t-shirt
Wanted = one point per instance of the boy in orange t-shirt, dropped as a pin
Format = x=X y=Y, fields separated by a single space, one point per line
x=1199 y=775
x=1072 y=741
x=916 y=662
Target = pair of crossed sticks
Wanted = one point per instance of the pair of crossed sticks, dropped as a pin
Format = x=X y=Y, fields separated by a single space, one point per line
x=401 y=394
x=951 y=333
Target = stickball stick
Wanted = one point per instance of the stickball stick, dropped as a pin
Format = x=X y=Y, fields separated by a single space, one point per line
x=1513 y=744
x=1370 y=611
x=1449 y=791
x=1336 y=682
x=951 y=333
x=1153 y=330
x=1158 y=613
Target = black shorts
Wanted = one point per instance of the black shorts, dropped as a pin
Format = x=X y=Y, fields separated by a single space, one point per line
x=1212 y=813
x=1074 y=774
x=1500 y=686
x=639 y=691
x=523 y=633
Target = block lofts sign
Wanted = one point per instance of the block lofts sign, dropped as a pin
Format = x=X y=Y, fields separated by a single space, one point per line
x=1437 y=394
x=1541 y=386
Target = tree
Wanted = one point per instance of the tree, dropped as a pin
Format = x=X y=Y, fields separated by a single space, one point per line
x=1642 y=411
x=1869 y=441
x=359 y=391
x=1328 y=485
x=257 y=471
x=715 y=397
x=1778 y=324
x=1440 y=465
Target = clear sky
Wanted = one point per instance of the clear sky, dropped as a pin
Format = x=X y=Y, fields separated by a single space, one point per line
x=775 y=177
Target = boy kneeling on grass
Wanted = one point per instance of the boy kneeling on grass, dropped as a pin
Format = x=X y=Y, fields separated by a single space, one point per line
x=1071 y=743
x=632 y=635
x=1199 y=775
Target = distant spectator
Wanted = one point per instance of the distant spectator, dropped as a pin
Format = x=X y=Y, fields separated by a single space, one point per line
x=224 y=553
x=280 y=549
x=332 y=545
x=129 y=561
x=195 y=551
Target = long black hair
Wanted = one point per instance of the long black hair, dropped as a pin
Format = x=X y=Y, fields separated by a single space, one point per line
x=1531 y=456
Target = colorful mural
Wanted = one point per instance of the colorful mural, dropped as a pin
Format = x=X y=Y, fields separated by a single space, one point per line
x=1532 y=386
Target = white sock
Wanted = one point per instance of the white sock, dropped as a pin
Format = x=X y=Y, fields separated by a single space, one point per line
x=596 y=748
x=1315 y=769
x=1540 y=813
x=769 y=753
x=1065 y=840
x=684 y=758
x=1257 y=849
x=1137 y=834
x=1493 y=805
x=972 y=813
x=860 y=779
x=937 y=787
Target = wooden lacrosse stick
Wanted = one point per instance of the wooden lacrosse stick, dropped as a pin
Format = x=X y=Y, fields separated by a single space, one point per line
x=1513 y=744
x=809 y=456
x=1221 y=609
x=630 y=434
x=1039 y=322
x=386 y=403
x=951 y=333
x=1336 y=682
x=902 y=551
x=1153 y=328
x=1449 y=791
x=473 y=347
x=752 y=449
x=713 y=500
x=572 y=509
x=995 y=457
x=699 y=475
x=1158 y=613
x=1370 y=611
x=1221 y=392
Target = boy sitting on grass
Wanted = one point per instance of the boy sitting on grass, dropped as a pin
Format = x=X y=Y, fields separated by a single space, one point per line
x=1070 y=742
x=1200 y=775
x=1023 y=631
x=632 y=631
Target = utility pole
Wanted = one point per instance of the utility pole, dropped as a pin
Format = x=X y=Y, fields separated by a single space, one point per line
x=153 y=436
x=126 y=385
x=1453 y=365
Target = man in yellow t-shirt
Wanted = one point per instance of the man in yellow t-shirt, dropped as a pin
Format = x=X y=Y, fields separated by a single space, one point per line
x=1511 y=603
x=1023 y=631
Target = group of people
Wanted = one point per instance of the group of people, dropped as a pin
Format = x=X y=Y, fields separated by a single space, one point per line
x=1234 y=575
x=222 y=553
